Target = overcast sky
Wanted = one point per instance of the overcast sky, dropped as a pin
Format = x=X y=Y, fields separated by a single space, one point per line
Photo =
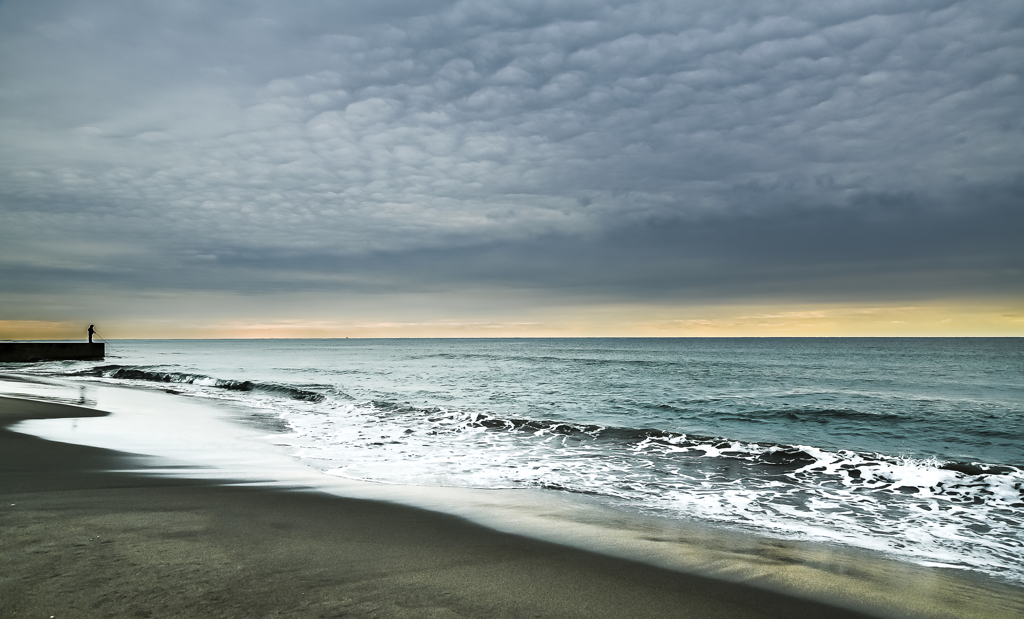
x=492 y=162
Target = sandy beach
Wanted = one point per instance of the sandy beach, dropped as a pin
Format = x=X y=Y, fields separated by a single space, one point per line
x=83 y=538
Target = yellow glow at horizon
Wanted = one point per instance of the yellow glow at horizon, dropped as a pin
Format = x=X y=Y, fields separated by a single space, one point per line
x=949 y=320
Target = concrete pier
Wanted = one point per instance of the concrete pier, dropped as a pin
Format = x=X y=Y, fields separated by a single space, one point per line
x=50 y=351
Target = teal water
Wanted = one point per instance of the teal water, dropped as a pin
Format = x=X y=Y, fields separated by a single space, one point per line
x=908 y=446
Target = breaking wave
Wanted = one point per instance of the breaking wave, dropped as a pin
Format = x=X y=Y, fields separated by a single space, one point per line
x=961 y=482
x=159 y=376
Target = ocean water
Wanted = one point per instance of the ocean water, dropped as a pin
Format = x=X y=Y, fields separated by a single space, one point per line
x=913 y=447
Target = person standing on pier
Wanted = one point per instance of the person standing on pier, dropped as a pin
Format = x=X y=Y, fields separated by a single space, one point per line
x=91 y=332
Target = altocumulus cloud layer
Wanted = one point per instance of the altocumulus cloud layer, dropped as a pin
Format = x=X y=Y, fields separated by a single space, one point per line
x=701 y=150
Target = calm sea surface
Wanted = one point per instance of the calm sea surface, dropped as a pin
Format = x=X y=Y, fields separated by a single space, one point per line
x=910 y=446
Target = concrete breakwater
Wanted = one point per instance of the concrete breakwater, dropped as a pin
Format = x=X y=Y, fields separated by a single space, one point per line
x=50 y=351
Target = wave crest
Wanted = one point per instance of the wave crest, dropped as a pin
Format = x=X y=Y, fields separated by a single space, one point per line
x=159 y=376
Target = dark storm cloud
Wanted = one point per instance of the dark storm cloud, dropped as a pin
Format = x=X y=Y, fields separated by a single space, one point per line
x=631 y=149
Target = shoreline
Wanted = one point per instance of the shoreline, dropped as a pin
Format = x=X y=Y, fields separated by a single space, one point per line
x=81 y=539
x=101 y=539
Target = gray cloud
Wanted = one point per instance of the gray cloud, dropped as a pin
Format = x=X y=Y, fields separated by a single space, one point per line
x=622 y=149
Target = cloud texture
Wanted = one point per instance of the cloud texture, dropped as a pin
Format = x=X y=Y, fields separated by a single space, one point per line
x=701 y=150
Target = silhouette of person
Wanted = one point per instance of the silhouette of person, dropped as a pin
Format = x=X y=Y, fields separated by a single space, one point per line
x=91 y=332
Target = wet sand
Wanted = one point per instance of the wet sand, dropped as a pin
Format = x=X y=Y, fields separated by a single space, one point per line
x=81 y=539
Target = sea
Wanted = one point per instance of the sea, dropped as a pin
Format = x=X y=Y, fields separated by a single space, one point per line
x=910 y=447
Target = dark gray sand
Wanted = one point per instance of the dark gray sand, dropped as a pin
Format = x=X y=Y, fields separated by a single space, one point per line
x=78 y=539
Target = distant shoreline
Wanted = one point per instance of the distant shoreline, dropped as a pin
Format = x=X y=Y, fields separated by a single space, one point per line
x=544 y=337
